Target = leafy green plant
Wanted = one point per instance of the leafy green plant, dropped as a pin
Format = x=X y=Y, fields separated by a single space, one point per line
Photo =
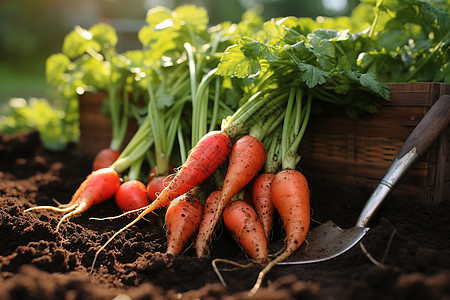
x=40 y=115
x=411 y=42
x=337 y=59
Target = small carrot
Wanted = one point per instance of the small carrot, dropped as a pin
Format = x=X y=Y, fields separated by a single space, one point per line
x=204 y=159
x=246 y=160
x=210 y=207
x=182 y=220
x=99 y=186
x=242 y=221
x=104 y=159
x=262 y=200
x=290 y=196
x=131 y=195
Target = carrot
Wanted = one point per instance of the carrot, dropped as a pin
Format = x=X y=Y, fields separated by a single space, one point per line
x=290 y=196
x=104 y=159
x=210 y=207
x=262 y=200
x=246 y=160
x=182 y=220
x=131 y=195
x=204 y=159
x=99 y=186
x=242 y=221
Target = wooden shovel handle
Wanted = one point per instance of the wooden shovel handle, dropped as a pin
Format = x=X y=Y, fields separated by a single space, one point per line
x=418 y=142
x=429 y=128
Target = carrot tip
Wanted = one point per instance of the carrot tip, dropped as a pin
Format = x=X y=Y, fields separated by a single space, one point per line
x=64 y=208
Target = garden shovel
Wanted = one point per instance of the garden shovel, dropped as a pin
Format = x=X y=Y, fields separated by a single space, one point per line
x=327 y=240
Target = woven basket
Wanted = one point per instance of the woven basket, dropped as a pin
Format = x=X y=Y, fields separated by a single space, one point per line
x=357 y=153
x=95 y=127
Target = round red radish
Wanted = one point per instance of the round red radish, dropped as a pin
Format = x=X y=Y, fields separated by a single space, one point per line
x=131 y=195
x=155 y=186
x=153 y=173
x=104 y=159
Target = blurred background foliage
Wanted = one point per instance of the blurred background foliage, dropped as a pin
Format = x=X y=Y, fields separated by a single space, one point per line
x=32 y=30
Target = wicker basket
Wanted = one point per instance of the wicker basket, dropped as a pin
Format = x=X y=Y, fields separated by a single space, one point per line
x=357 y=153
x=95 y=127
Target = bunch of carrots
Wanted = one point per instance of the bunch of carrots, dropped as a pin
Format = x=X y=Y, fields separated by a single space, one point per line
x=243 y=125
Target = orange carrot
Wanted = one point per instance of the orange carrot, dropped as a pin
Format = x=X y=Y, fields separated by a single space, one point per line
x=246 y=160
x=210 y=207
x=262 y=200
x=104 y=159
x=242 y=221
x=99 y=186
x=204 y=159
x=182 y=220
x=290 y=196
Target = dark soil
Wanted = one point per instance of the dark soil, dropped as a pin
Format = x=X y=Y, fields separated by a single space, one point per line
x=38 y=263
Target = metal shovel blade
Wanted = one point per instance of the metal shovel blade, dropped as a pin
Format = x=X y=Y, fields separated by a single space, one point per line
x=327 y=241
x=324 y=242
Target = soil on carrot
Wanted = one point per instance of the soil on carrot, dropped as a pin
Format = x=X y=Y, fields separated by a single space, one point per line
x=409 y=242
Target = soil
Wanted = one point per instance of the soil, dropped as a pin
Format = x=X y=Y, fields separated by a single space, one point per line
x=408 y=240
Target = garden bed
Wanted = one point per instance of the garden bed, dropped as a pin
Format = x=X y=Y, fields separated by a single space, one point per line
x=38 y=263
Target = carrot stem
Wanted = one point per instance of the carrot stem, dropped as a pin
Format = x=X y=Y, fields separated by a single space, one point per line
x=193 y=80
x=135 y=169
x=181 y=144
x=212 y=125
x=256 y=109
x=202 y=95
x=294 y=127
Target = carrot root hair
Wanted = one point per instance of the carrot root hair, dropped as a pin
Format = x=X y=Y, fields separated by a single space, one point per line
x=266 y=270
x=217 y=271
x=60 y=208
x=141 y=215
x=77 y=209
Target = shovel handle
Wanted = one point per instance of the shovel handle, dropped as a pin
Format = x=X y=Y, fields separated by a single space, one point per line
x=429 y=128
x=418 y=142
